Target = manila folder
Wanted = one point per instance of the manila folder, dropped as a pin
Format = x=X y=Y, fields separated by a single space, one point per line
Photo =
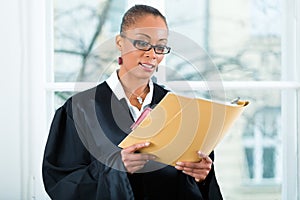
x=178 y=127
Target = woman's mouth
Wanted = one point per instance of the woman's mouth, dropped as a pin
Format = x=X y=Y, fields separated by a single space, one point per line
x=147 y=66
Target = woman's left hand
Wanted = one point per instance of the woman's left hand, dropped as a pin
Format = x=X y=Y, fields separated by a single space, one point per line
x=198 y=170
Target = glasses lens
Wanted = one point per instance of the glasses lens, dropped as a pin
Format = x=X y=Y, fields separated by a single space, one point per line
x=145 y=46
x=142 y=45
x=161 y=49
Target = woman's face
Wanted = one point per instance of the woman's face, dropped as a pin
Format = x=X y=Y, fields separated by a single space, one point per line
x=139 y=63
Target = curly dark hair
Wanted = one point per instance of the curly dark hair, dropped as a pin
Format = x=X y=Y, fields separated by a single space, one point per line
x=137 y=11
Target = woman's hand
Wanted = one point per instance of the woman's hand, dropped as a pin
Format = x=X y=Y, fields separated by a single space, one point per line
x=135 y=161
x=198 y=170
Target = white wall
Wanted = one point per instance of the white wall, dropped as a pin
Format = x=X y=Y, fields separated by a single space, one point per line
x=10 y=82
x=23 y=125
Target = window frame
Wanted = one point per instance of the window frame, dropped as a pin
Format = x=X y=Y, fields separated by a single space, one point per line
x=290 y=100
x=36 y=26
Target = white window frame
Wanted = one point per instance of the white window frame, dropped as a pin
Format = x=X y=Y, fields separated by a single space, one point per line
x=291 y=100
x=37 y=45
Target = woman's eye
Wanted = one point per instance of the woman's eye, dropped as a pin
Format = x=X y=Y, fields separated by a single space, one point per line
x=160 y=48
x=142 y=43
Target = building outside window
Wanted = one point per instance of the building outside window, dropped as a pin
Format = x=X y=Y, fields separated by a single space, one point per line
x=261 y=140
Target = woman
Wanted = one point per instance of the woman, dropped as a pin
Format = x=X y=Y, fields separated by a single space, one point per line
x=82 y=160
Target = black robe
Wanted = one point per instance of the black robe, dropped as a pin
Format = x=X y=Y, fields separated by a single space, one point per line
x=82 y=160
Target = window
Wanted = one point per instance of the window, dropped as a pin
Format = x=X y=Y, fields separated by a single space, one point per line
x=261 y=139
x=79 y=28
x=84 y=49
x=251 y=47
x=244 y=41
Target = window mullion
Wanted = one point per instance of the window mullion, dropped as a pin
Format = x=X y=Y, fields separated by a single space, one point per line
x=233 y=85
x=189 y=85
x=297 y=16
x=290 y=184
x=298 y=142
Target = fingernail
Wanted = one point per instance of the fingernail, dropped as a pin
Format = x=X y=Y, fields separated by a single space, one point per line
x=178 y=163
x=147 y=143
x=201 y=154
x=153 y=157
x=177 y=167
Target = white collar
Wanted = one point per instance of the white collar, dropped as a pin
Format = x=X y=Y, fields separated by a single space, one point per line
x=115 y=85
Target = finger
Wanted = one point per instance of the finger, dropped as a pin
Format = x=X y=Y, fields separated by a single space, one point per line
x=136 y=147
x=204 y=160
x=135 y=163
x=199 y=175
x=190 y=170
x=201 y=154
x=204 y=157
x=193 y=166
x=134 y=168
x=134 y=159
x=188 y=165
x=130 y=157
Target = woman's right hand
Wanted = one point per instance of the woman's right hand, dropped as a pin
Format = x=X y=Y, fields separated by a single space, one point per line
x=134 y=161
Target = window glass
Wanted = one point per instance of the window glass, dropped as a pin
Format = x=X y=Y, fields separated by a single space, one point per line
x=210 y=40
x=250 y=162
x=250 y=156
x=80 y=27
x=242 y=38
x=269 y=162
x=60 y=98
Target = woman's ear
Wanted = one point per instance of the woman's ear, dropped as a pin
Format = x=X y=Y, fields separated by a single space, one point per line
x=119 y=42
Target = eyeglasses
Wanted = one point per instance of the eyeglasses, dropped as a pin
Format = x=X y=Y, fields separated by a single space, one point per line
x=146 y=46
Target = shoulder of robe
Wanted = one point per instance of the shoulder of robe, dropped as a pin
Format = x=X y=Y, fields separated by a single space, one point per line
x=84 y=97
x=160 y=89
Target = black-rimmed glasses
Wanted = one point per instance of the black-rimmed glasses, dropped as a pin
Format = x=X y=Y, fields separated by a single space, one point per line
x=146 y=46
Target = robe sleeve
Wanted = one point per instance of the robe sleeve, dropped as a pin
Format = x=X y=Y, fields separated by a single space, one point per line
x=71 y=172
x=209 y=188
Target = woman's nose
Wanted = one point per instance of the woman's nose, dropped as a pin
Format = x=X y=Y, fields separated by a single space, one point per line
x=151 y=53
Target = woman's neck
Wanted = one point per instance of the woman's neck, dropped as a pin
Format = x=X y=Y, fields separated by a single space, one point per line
x=135 y=89
x=133 y=84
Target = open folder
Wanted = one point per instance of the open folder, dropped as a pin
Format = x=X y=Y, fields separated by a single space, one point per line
x=178 y=127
